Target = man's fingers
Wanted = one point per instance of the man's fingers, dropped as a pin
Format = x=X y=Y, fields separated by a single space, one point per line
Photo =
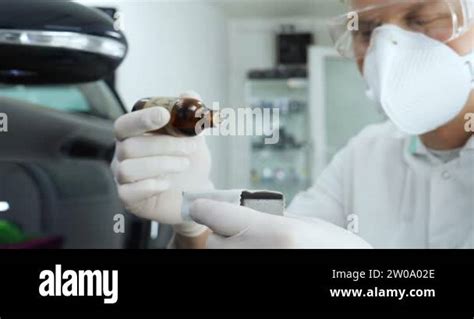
x=140 y=122
x=222 y=218
x=215 y=241
x=133 y=170
x=152 y=145
x=135 y=192
x=143 y=121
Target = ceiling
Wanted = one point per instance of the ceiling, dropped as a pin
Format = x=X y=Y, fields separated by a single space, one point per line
x=280 y=8
x=256 y=8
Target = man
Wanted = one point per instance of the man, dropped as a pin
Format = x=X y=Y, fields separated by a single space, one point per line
x=407 y=183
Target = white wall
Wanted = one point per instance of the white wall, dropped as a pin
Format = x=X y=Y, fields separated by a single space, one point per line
x=173 y=48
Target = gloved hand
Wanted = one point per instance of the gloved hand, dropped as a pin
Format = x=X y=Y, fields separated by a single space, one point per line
x=241 y=227
x=152 y=171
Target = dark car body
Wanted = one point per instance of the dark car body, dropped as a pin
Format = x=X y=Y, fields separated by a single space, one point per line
x=55 y=152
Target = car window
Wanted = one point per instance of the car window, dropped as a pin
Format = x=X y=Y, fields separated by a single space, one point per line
x=64 y=98
x=93 y=98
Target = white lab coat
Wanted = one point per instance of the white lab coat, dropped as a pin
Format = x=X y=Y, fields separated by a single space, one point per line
x=398 y=195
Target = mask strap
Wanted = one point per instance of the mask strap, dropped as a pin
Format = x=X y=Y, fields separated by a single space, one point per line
x=469 y=60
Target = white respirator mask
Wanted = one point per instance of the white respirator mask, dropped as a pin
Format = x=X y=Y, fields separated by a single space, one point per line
x=420 y=83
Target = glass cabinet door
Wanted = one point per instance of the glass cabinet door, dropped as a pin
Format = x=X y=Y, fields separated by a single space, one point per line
x=286 y=165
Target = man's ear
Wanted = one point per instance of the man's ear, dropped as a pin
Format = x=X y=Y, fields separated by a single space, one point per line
x=465 y=43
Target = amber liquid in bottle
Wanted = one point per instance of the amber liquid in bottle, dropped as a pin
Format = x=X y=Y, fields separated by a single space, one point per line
x=189 y=116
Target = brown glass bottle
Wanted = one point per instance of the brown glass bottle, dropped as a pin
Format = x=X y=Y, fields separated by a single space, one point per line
x=189 y=116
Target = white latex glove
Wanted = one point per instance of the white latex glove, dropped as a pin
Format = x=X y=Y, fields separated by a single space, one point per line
x=152 y=171
x=241 y=227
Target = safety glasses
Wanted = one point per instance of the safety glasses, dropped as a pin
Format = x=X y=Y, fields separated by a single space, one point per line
x=442 y=20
